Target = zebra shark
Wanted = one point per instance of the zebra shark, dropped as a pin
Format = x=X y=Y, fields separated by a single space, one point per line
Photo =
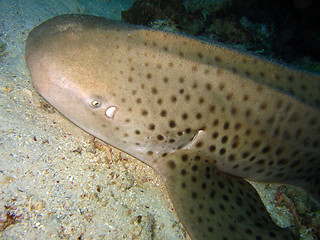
x=205 y=117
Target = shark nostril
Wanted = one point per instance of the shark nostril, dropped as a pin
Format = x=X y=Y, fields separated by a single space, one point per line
x=95 y=103
x=111 y=112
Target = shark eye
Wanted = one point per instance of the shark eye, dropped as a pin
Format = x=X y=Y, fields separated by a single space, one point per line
x=111 y=112
x=95 y=103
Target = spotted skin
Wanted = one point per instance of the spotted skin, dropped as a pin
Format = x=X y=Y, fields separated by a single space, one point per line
x=204 y=116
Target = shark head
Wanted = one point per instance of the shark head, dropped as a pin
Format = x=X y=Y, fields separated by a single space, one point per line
x=71 y=72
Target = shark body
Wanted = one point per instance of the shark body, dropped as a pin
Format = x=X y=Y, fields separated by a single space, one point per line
x=204 y=116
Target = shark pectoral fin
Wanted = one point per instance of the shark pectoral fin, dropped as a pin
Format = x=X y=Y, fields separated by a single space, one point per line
x=214 y=205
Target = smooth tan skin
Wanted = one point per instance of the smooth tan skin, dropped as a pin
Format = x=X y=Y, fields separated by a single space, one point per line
x=202 y=115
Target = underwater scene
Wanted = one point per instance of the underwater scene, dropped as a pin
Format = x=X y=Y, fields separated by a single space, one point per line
x=136 y=119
